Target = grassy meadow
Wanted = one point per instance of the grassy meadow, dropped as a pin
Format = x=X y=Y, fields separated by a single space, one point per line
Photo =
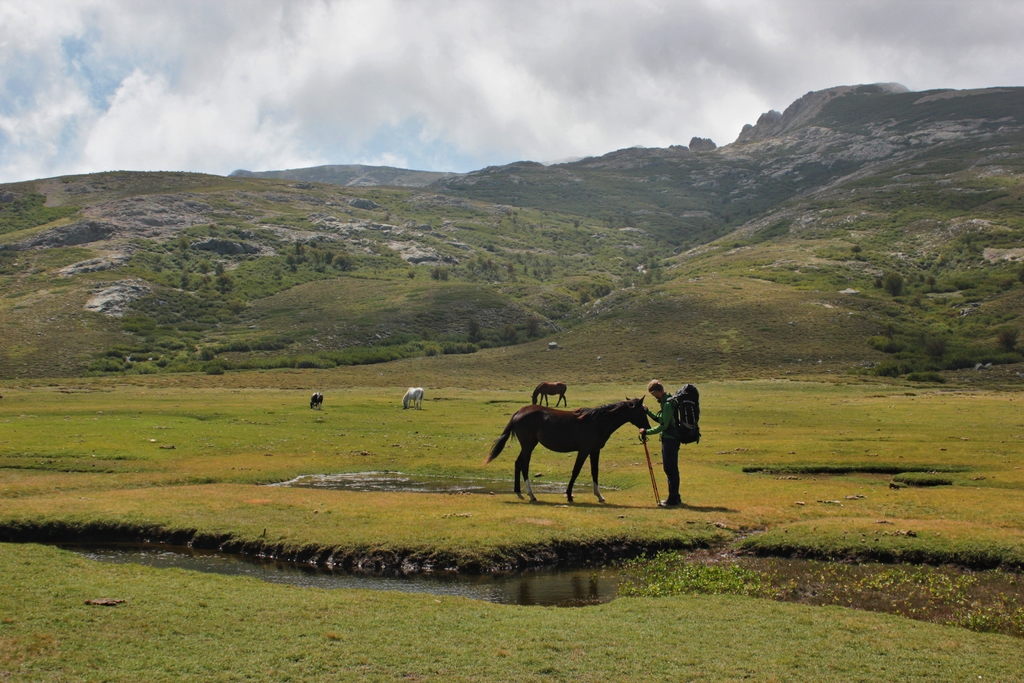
x=789 y=466
x=96 y=455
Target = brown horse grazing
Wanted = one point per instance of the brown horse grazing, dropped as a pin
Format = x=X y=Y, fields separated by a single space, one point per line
x=545 y=389
x=585 y=430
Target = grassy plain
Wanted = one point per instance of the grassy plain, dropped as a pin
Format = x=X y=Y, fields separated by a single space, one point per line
x=94 y=455
x=156 y=454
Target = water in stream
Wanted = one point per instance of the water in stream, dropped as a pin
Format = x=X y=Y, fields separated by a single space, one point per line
x=982 y=600
x=551 y=587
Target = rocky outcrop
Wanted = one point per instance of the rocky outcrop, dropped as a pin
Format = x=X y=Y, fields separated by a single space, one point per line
x=417 y=253
x=151 y=216
x=225 y=247
x=361 y=203
x=702 y=144
x=801 y=112
x=82 y=232
x=113 y=299
x=93 y=265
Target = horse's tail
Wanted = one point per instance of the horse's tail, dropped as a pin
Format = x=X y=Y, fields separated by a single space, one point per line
x=499 y=443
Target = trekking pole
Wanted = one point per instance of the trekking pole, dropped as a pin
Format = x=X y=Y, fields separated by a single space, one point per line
x=650 y=468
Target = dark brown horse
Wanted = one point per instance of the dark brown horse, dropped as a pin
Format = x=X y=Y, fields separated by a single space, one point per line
x=545 y=389
x=585 y=430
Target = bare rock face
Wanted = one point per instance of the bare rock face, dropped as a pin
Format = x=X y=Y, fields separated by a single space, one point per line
x=113 y=299
x=772 y=123
x=702 y=144
x=361 y=203
x=82 y=232
x=93 y=265
x=225 y=247
x=416 y=253
x=152 y=216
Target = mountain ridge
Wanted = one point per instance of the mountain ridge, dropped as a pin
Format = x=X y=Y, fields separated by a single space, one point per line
x=874 y=231
x=351 y=175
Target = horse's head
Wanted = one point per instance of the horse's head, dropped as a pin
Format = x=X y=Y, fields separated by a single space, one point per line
x=637 y=413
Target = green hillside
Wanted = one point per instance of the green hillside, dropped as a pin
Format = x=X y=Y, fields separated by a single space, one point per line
x=865 y=230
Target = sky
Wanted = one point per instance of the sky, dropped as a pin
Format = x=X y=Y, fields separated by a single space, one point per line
x=448 y=85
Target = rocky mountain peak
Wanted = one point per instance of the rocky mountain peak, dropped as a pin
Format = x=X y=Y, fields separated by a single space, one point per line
x=802 y=111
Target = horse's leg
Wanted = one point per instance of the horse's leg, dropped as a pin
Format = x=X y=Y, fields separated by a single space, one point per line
x=580 y=458
x=525 y=455
x=561 y=397
x=595 y=458
x=519 y=468
x=523 y=468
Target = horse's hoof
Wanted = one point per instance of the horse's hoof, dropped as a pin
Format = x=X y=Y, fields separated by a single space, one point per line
x=569 y=499
x=520 y=495
x=600 y=499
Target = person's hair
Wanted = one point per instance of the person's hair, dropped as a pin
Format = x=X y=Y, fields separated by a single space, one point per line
x=654 y=385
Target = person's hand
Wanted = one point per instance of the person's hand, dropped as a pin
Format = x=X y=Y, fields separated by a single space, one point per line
x=643 y=435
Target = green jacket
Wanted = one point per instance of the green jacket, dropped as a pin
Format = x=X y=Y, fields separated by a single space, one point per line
x=666 y=418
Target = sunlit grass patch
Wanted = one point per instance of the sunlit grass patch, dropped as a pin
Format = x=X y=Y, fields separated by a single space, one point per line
x=894 y=539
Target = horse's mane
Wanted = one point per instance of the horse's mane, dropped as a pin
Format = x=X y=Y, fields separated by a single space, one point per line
x=600 y=411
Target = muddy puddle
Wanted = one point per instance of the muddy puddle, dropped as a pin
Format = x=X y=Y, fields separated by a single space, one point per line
x=547 y=587
x=419 y=483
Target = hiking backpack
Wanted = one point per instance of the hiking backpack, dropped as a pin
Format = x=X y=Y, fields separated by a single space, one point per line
x=686 y=403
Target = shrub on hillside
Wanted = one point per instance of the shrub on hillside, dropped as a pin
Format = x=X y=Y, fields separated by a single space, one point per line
x=106 y=365
x=935 y=347
x=214 y=368
x=886 y=345
x=895 y=368
x=1007 y=340
x=926 y=377
x=893 y=283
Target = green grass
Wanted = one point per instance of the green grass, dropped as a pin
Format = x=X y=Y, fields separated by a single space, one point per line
x=176 y=624
x=92 y=457
x=981 y=601
x=28 y=211
x=98 y=453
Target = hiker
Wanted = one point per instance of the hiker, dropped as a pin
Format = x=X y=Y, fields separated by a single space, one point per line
x=669 y=445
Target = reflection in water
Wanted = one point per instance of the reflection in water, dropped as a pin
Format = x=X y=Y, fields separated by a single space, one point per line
x=551 y=587
x=420 y=483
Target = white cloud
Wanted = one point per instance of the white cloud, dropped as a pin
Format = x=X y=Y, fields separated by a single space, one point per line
x=452 y=84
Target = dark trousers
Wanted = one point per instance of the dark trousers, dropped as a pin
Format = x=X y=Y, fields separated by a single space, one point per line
x=670 y=463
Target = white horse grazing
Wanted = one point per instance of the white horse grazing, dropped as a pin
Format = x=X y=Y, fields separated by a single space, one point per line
x=413 y=397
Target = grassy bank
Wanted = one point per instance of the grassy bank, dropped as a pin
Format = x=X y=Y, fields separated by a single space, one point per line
x=175 y=625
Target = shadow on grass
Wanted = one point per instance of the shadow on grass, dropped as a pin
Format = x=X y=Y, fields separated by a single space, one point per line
x=614 y=506
x=701 y=508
